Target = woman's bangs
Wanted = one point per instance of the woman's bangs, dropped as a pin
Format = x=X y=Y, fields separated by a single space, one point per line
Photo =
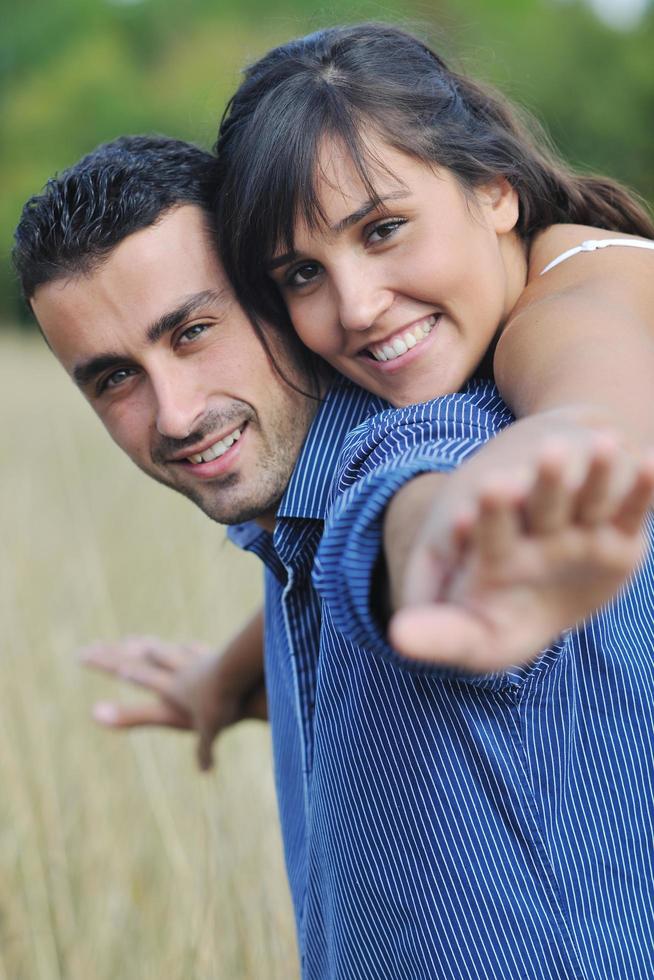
x=302 y=172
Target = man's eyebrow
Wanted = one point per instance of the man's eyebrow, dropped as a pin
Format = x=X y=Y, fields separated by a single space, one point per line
x=347 y=222
x=87 y=371
x=169 y=321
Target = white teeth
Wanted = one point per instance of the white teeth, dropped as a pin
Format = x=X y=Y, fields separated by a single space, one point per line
x=218 y=448
x=406 y=342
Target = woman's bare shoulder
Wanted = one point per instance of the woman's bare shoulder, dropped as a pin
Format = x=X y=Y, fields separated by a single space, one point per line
x=548 y=244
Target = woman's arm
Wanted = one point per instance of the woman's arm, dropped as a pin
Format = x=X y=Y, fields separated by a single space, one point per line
x=581 y=337
x=576 y=358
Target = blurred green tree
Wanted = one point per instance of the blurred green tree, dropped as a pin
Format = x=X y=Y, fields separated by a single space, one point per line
x=76 y=72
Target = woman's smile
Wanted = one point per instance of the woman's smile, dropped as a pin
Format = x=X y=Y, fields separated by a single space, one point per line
x=400 y=343
x=403 y=294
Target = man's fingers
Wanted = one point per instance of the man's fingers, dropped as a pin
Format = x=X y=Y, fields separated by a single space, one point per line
x=151 y=678
x=176 y=656
x=112 y=657
x=256 y=704
x=112 y=714
x=127 y=667
x=205 y=751
x=106 y=651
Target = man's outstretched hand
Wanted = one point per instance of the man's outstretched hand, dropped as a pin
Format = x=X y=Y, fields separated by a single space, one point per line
x=194 y=688
x=523 y=563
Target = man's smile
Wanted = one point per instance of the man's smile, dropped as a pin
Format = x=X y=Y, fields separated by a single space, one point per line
x=218 y=457
x=217 y=448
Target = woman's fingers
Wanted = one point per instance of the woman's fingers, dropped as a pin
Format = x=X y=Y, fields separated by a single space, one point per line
x=499 y=520
x=596 y=496
x=548 y=504
x=637 y=501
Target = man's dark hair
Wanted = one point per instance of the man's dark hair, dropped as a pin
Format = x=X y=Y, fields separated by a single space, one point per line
x=122 y=187
x=119 y=188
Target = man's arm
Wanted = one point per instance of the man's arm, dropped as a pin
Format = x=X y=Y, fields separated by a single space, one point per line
x=196 y=689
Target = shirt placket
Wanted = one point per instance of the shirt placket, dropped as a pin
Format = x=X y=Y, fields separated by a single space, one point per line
x=301 y=607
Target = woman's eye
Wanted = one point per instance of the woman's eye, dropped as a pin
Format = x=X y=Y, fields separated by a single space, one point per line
x=384 y=230
x=303 y=274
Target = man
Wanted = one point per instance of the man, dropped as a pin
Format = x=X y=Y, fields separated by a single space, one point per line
x=423 y=819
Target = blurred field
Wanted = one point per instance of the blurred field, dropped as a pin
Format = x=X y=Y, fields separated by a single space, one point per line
x=117 y=859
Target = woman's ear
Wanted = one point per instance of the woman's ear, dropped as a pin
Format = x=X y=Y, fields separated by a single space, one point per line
x=499 y=200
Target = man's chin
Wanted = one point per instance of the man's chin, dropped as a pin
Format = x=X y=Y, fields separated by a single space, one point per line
x=238 y=514
x=230 y=501
x=230 y=505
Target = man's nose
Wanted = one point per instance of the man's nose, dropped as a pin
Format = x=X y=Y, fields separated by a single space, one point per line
x=180 y=405
x=361 y=299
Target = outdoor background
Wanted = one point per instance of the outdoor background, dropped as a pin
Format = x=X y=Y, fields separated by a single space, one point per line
x=116 y=858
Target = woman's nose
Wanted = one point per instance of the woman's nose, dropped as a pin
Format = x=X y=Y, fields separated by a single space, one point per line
x=362 y=300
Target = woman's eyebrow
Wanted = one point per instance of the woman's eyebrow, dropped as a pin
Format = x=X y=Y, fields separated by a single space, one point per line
x=362 y=212
x=344 y=223
x=280 y=260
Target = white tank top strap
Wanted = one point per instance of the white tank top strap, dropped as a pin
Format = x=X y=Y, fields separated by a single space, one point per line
x=592 y=244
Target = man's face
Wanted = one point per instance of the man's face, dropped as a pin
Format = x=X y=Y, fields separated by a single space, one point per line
x=170 y=363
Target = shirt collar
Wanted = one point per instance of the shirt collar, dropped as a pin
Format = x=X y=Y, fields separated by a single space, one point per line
x=307 y=495
x=342 y=409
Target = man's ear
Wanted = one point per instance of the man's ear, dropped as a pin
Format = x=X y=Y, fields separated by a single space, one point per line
x=500 y=201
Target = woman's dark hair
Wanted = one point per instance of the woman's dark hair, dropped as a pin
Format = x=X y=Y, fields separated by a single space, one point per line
x=347 y=82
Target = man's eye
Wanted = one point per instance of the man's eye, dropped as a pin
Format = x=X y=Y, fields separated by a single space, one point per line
x=303 y=274
x=384 y=230
x=192 y=333
x=115 y=379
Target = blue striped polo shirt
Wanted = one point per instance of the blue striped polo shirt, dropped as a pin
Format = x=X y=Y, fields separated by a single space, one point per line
x=438 y=824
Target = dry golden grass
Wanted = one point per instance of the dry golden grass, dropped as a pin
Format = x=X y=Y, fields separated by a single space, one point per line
x=117 y=859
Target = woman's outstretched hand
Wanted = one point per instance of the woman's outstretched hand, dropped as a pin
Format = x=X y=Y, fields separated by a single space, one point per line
x=511 y=571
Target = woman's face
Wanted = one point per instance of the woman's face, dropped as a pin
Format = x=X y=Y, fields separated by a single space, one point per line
x=403 y=298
